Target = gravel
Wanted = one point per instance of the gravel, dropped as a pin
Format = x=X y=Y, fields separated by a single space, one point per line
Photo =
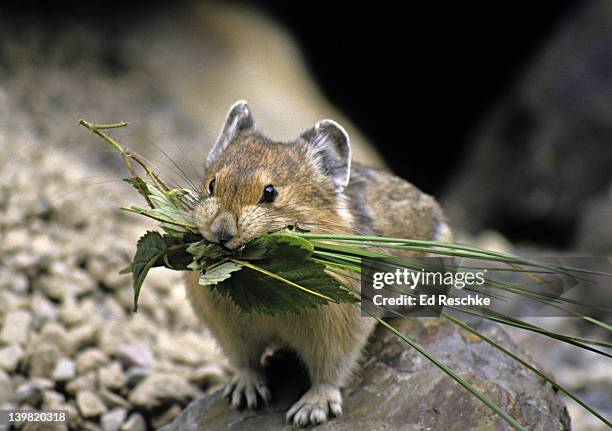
x=68 y=337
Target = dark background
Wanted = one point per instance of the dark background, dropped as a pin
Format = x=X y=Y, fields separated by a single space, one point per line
x=416 y=78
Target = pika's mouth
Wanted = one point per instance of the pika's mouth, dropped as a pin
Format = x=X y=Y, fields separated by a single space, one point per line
x=237 y=244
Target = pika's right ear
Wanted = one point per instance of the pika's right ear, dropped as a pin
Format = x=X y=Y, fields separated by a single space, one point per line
x=238 y=119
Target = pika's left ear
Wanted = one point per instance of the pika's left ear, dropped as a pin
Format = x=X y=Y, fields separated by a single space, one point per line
x=331 y=149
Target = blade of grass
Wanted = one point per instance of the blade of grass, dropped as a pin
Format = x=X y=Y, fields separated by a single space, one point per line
x=428 y=246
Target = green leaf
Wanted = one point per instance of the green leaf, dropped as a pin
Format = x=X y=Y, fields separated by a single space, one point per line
x=267 y=245
x=168 y=201
x=169 y=220
x=140 y=186
x=218 y=273
x=255 y=292
x=126 y=270
x=150 y=248
x=207 y=250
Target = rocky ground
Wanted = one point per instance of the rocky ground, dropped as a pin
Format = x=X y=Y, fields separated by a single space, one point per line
x=398 y=389
x=68 y=338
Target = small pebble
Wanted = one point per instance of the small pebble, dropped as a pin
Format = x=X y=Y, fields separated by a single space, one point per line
x=10 y=356
x=16 y=327
x=64 y=370
x=30 y=394
x=113 y=420
x=134 y=423
x=90 y=405
x=90 y=359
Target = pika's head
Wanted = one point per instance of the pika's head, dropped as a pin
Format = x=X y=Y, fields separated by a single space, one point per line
x=254 y=185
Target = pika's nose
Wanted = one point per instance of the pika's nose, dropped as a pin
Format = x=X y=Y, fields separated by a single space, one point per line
x=224 y=227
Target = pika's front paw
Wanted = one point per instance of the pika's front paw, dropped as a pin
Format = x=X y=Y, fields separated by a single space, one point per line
x=247 y=387
x=316 y=406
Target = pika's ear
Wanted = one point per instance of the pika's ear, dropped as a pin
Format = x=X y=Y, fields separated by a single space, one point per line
x=331 y=149
x=238 y=119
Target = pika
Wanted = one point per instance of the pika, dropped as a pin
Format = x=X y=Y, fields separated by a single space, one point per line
x=254 y=185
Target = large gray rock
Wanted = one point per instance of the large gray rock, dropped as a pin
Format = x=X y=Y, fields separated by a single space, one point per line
x=544 y=152
x=398 y=389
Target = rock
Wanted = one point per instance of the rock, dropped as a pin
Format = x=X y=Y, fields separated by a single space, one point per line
x=56 y=287
x=10 y=301
x=65 y=370
x=42 y=358
x=43 y=245
x=107 y=273
x=82 y=336
x=399 y=389
x=20 y=284
x=89 y=426
x=30 y=394
x=135 y=375
x=90 y=359
x=45 y=384
x=73 y=313
x=134 y=423
x=16 y=327
x=52 y=399
x=16 y=239
x=10 y=356
x=544 y=152
x=594 y=234
x=111 y=376
x=138 y=354
x=206 y=376
x=43 y=310
x=160 y=389
x=111 y=399
x=186 y=348
x=166 y=417
x=84 y=280
x=90 y=405
x=6 y=389
x=86 y=382
x=113 y=420
x=53 y=332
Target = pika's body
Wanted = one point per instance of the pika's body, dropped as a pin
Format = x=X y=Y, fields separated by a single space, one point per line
x=254 y=185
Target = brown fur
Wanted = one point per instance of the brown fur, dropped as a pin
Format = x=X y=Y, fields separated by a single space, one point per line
x=330 y=338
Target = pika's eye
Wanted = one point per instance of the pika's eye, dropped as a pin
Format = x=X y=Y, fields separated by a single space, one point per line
x=211 y=186
x=269 y=194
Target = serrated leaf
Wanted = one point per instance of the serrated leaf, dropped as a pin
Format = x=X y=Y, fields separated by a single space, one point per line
x=150 y=248
x=218 y=273
x=266 y=246
x=254 y=292
x=206 y=250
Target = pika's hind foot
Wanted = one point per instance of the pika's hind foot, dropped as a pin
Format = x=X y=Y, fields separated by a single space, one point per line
x=246 y=389
x=316 y=406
